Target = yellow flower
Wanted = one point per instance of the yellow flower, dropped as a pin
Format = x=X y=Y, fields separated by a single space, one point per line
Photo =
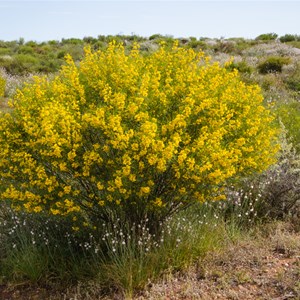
x=123 y=128
x=144 y=190
x=37 y=209
x=158 y=202
x=101 y=203
x=100 y=186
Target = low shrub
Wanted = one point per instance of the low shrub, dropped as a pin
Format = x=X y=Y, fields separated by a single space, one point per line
x=281 y=193
x=295 y=44
x=267 y=37
x=289 y=38
x=292 y=79
x=289 y=114
x=241 y=66
x=21 y=64
x=195 y=44
x=26 y=50
x=273 y=64
x=272 y=195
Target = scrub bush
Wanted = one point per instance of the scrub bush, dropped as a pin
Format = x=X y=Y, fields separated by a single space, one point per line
x=292 y=79
x=267 y=37
x=132 y=137
x=273 y=64
x=289 y=114
x=21 y=64
x=272 y=195
x=241 y=66
x=289 y=38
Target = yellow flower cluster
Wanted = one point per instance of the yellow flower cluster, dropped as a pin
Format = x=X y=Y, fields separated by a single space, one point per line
x=126 y=130
x=2 y=86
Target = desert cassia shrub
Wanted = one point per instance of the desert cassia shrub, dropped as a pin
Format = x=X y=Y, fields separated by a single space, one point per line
x=131 y=136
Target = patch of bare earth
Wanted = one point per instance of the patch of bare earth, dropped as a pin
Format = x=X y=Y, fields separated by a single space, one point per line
x=260 y=267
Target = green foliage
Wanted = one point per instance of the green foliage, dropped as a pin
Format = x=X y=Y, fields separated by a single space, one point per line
x=25 y=50
x=267 y=37
x=194 y=44
x=273 y=64
x=53 y=43
x=4 y=51
x=41 y=248
x=72 y=41
x=242 y=44
x=21 y=64
x=294 y=83
x=61 y=54
x=48 y=66
x=155 y=36
x=90 y=40
x=31 y=44
x=241 y=66
x=292 y=80
x=21 y=41
x=289 y=38
x=295 y=44
x=76 y=51
x=27 y=264
x=41 y=53
x=224 y=46
x=289 y=114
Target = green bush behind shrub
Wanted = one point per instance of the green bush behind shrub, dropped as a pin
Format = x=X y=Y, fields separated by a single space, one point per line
x=267 y=37
x=273 y=64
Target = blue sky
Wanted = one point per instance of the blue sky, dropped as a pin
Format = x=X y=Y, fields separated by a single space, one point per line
x=46 y=20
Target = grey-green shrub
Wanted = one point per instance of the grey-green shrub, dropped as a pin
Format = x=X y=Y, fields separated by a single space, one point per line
x=267 y=37
x=289 y=38
x=273 y=64
x=289 y=115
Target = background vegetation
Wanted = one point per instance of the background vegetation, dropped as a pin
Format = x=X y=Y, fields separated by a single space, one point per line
x=118 y=259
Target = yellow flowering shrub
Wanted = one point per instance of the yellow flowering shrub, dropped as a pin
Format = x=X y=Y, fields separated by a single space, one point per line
x=138 y=135
x=2 y=86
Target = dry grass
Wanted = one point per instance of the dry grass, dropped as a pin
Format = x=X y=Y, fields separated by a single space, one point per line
x=262 y=265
